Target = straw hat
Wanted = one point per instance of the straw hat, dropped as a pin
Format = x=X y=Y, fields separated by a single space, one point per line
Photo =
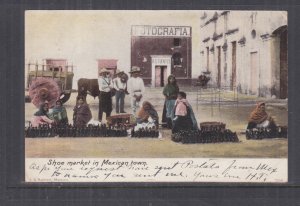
x=119 y=72
x=135 y=69
x=103 y=70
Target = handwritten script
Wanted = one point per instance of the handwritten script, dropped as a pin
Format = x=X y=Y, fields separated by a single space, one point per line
x=155 y=170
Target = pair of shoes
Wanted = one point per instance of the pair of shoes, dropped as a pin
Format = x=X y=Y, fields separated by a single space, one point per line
x=123 y=112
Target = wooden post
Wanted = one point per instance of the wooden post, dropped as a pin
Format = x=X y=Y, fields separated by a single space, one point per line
x=43 y=70
x=28 y=74
x=36 y=69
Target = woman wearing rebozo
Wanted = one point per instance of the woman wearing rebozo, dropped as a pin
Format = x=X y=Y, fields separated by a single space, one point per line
x=82 y=113
x=170 y=92
x=259 y=118
x=41 y=117
x=147 y=114
x=59 y=113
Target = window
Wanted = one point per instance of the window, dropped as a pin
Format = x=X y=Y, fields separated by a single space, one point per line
x=177 y=58
x=177 y=42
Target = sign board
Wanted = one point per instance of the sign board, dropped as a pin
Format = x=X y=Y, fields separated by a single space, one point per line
x=163 y=31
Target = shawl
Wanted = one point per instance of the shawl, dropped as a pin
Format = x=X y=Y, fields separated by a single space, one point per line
x=82 y=113
x=171 y=89
x=61 y=110
x=258 y=115
x=41 y=111
x=144 y=114
x=191 y=115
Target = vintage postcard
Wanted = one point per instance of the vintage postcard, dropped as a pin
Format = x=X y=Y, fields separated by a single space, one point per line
x=156 y=96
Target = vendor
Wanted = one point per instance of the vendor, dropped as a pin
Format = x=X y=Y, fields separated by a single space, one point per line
x=170 y=92
x=105 y=99
x=183 y=116
x=136 y=89
x=82 y=113
x=59 y=113
x=147 y=111
x=259 y=118
x=41 y=117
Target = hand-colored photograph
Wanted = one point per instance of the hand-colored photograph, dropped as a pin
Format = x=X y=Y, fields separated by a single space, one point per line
x=156 y=84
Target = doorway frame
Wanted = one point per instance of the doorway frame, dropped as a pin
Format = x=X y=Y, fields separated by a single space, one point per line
x=160 y=60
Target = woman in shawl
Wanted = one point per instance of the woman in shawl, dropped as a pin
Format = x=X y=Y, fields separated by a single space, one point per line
x=82 y=113
x=260 y=119
x=183 y=116
x=170 y=92
x=147 y=111
x=59 y=113
x=41 y=117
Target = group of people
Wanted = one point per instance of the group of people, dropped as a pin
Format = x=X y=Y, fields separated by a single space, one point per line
x=58 y=114
x=177 y=114
x=119 y=86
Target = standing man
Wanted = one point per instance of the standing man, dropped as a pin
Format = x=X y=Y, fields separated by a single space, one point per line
x=120 y=84
x=136 y=88
x=105 y=86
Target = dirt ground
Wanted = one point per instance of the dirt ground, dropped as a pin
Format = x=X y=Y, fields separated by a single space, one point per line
x=233 y=114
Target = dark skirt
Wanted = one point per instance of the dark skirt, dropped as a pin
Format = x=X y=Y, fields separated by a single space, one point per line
x=105 y=102
x=182 y=123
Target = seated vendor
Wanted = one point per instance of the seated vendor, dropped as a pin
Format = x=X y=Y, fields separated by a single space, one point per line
x=59 y=113
x=183 y=115
x=260 y=119
x=41 y=117
x=146 y=113
x=82 y=113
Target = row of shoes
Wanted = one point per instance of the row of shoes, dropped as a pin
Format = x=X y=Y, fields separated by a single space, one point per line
x=266 y=133
x=198 y=136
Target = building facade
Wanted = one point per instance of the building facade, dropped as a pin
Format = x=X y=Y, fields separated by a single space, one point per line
x=246 y=51
x=109 y=64
x=160 y=51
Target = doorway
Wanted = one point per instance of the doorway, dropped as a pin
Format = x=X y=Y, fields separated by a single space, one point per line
x=161 y=76
x=283 y=65
x=253 y=71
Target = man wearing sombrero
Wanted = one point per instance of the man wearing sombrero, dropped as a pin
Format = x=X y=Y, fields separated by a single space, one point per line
x=136 y=88
x=105 y=86
x=120 y=84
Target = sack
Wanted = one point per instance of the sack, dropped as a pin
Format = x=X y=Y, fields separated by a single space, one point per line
x=113 y=92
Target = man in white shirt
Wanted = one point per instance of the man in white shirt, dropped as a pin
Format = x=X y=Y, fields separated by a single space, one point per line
x=120 y=84
x=136 y=88
x=105 y=86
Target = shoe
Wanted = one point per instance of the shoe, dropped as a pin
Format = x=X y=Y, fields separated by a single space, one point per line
x=123 y=112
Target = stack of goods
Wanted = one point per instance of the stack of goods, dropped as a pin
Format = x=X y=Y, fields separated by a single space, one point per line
x=210 y=132
x=143 y=132
x=265 y=133
x=41 y=131
x=71 y=131
x=121 y=119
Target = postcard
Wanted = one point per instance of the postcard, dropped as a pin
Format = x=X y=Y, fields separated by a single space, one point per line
x=156 y=96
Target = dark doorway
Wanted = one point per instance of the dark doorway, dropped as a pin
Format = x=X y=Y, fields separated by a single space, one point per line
x=233 y=75
x=281 y=91
x=160 y=76
x=283 y=66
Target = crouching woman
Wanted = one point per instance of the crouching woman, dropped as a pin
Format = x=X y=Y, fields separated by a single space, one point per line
x=82 y=113
x=41 y=117
x=183 y=116
x=259 y=118
x=146 y=113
